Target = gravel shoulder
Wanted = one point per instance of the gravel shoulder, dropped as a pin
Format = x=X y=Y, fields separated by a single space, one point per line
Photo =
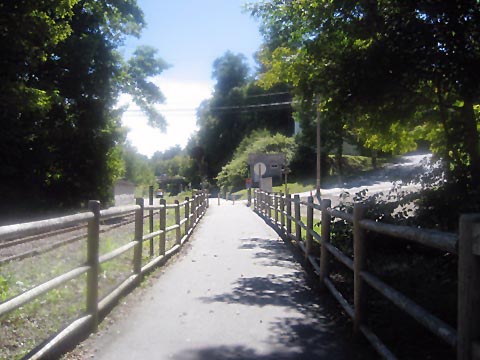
x=235 y=292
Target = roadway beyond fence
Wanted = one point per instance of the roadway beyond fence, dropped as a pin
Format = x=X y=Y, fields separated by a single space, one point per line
x=237 y=292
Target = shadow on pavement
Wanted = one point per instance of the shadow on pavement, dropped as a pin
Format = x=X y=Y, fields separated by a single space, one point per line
x=312 y=327
x=244 y=353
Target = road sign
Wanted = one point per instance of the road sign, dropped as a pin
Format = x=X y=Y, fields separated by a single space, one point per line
x=260 y=168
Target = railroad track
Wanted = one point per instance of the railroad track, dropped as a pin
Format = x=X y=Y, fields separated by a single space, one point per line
x=18 y=248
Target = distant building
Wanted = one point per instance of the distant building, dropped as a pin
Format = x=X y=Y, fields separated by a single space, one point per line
x=124 y=192
x=266 y=165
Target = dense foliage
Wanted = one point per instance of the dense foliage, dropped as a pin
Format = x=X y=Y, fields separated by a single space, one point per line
x=238 y=107
x=175 y=162
x=61 y=76
x=234 y=173
x=389 y=72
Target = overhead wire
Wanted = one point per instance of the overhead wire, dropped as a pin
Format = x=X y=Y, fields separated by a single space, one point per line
x=236 y=107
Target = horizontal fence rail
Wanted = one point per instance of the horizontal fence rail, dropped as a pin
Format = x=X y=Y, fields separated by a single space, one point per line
x=277 y=209
x=192 y=210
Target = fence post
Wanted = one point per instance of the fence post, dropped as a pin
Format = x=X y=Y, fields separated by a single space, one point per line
x=137 y=250
x=249 y=196
x=194 y=208
x=309 y=237
x=163 y=226
x=282 y=211
x=260 y=202
x=255 y=199
x=207 y=202
x=275 y=208
x=359 y=264
x=298 y=228
x=468 y=321
x=187 y=215
x=289 y=215
x=178 y=231
x=265 y=203
x=150 y=216
x=324 y=254
x=92 y=260
x=269 y=206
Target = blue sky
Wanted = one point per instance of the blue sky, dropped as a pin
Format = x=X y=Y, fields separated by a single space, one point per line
x=189 y=35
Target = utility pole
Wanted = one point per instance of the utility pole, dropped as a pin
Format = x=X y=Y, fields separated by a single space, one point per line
x=318 y=194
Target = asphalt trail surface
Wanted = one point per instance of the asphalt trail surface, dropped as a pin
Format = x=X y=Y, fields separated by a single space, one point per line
x=237 y=292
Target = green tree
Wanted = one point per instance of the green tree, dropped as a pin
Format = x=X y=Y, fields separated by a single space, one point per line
x=238 y=107
x=173 y=162
x=388 y=66
x=138 y=168
x=62 y=76
x=236 y=171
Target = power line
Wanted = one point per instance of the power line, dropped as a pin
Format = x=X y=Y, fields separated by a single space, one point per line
x=238 y=107
x=269 y=94
x=241 y=107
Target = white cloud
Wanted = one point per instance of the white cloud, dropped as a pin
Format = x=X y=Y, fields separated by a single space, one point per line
x=179 y=109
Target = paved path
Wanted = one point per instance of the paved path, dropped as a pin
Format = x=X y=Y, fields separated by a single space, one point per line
x=236 y=293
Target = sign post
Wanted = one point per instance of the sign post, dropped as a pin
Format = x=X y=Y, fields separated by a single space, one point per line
x=248 y=185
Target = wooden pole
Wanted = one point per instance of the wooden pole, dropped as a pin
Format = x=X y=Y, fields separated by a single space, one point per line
x=178 y=231
x=275 y=205
x=360 y=262
x=289 y=215
x=468 y=321
x=309 y=237
x=269 y=205
x=298 y=229
x=324 y=254
x=137 y=250
x=282 y=211
x=318 y=146
x=163 y=226
x=194 y=209
x=150 y=217
x=92 y=261
x=187 y=214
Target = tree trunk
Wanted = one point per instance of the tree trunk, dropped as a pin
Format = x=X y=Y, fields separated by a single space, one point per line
x=472 y=143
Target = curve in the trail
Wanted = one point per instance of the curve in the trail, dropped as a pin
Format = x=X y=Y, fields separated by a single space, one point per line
x=236 y=293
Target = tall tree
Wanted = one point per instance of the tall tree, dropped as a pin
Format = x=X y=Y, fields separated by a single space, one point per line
x=63 y=75
x=237 y=107
x=391 y=66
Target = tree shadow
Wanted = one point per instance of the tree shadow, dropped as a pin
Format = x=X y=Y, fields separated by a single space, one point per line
x=270 y=252
x=243 y=353
x=316 y=328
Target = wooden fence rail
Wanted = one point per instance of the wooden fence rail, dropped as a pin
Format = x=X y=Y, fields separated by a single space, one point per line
x=465 y=338
x=194 y=209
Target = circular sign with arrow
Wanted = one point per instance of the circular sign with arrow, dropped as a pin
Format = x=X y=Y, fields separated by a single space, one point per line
x=260 y=168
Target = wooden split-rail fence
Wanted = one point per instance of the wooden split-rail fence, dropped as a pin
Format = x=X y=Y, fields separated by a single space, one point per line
x=277 y=209
x=193 y=210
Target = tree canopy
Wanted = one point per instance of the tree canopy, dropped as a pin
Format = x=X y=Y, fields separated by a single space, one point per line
x=389 y=71
x=238 y=107
x=61 y=76
x=234 y=173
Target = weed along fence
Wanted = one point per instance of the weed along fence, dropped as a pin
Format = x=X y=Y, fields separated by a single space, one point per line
x=320 y=253
x=105 y=265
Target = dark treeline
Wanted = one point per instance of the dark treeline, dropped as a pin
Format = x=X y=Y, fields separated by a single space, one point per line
x=61 y=77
